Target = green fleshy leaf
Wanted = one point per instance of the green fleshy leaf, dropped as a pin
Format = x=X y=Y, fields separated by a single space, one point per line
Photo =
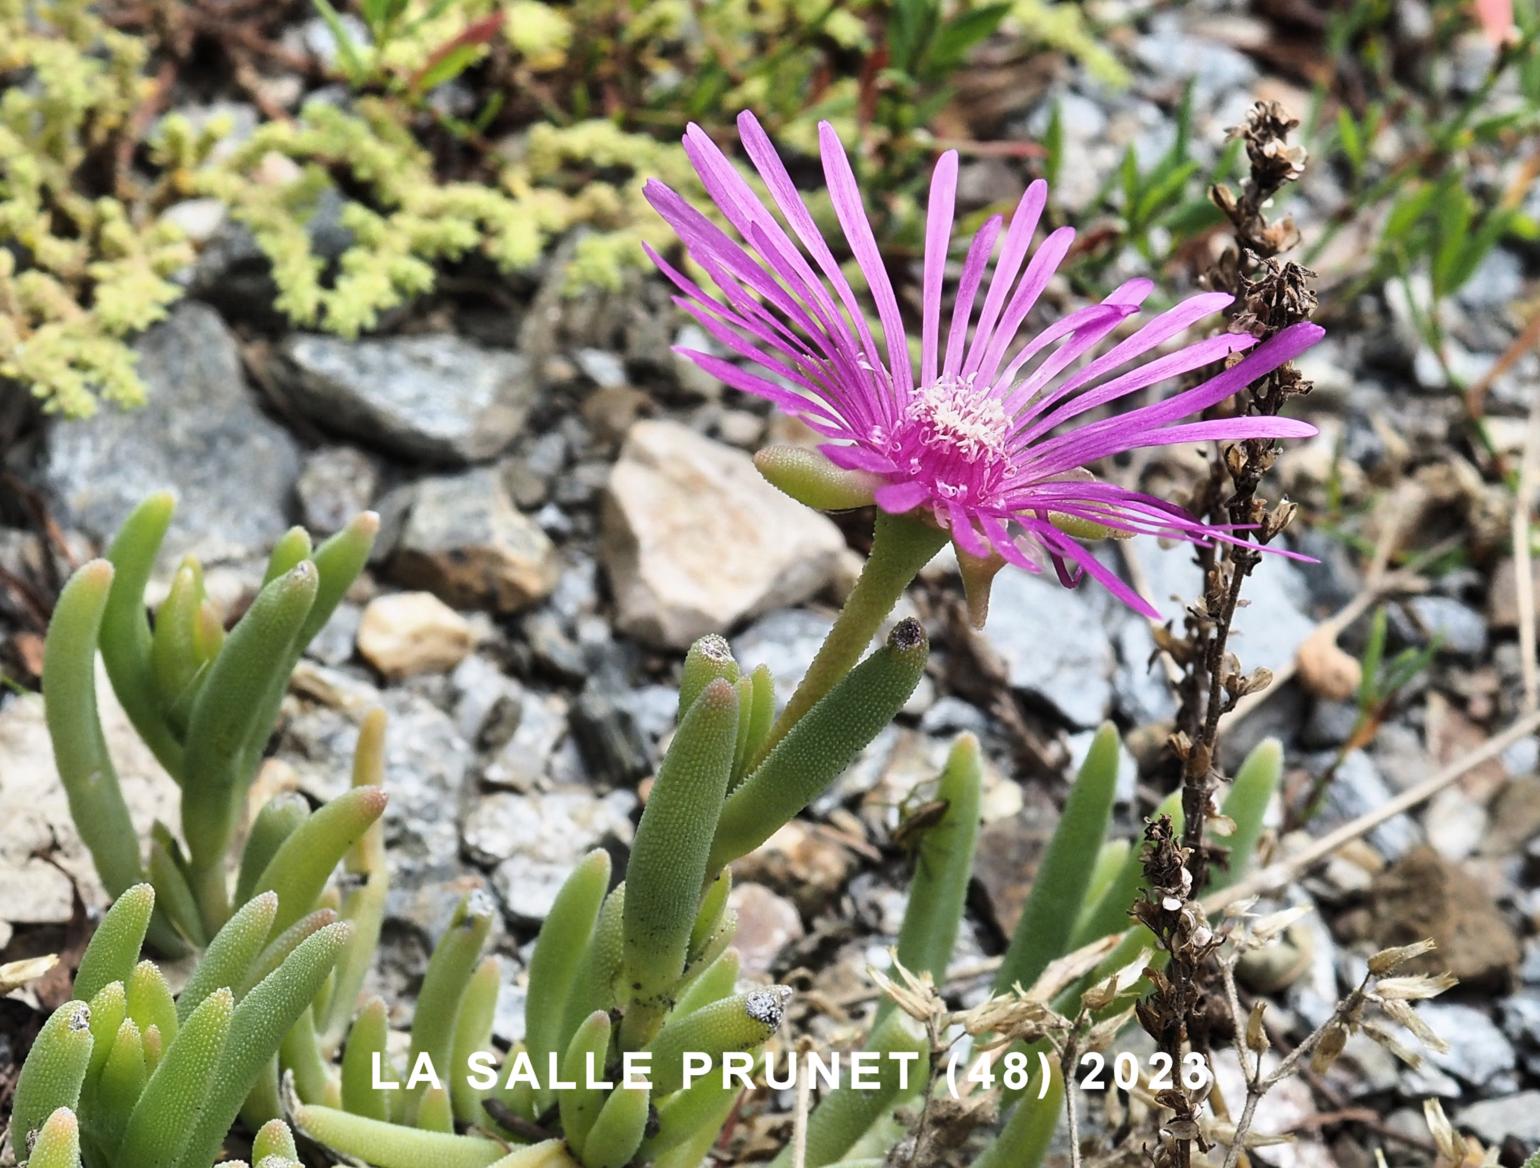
x=108 y=1010
x=844 y=1114
x=162 y=1121
x=80 y=749
x=226 y=718
x=760 y=717
x=305 y=860
x=278 y=949
x=713 y=907
x=261 y=1020
x=363 y=907
x=943 y=868
x=435 y=1111
x=279 y=818
x=58 y=1142
x=617 y=1132
x=449 y=971
x=812 y=480
x=1028 y=1130
x=126 y=641
x=473 y=1034
x=274 y=1139
x=708 y=659
x=231 y=954
x=388 y=1145
x=1059 y=887
x=52 y=1075
x=292 y=549
x=742 y=1022
x=118 y=1088
x=584 y=1061
x=1246 y=805
x=667 y=871
x=717 y=981
x=365 y=1048
x=175 y=653
x=598 y=974
x=149 y=1000
x=555 y=962
x=821 y=744
x=174 y=899
x=299 y=1055
x=114 y=948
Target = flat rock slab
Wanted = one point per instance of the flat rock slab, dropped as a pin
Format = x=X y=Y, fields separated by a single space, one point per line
x=695 y=541
x=200 y=433
x=432 y=398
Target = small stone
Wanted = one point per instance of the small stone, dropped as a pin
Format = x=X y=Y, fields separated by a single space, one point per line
x=435 y=397
x=1424 y=895
x=1054 y=645
x=335 y=644
x=604 y=369
x=1478 y=1053
x=1459 y=629
x=767 y=923
x=408 y=633
x=1515 y=817
x=465 y=541
x=335 y=484
x=1357 y=788
x=200 y=431
x=1513 y=1117
x=1503 y=594
x=535 y=840
x=694 y=540
x=800 y=861
x=1009 y=851
x=489 y=703
x=522 y=762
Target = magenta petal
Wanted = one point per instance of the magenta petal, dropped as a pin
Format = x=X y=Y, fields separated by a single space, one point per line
x=896 y=498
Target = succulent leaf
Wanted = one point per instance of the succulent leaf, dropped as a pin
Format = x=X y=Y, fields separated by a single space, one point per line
x=364 y=1050
x=162 y=1121
x=943 y=869
x=449 y=972
x=80 y=748
x=58 y=1142
x=667 y=870
x=52 y=1075
x=1059 y=888
x=821 y=744
x=114 y=947
x=739 y=1023
x=617 y=1132
x=559 y=950
x=585 y=1058
x=473 y=1034
x=390 y=1145
x=230 y=955
x=279 y=818
x=305 y=860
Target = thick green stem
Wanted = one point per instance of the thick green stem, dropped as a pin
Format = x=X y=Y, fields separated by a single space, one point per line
x=900 y=548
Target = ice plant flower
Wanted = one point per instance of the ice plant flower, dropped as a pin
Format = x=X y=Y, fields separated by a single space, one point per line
x=986 y=436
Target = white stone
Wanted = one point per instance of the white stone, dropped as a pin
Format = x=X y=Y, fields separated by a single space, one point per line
x=694 y=540
x=408 y=633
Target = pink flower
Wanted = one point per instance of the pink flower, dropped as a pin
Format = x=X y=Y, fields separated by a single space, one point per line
x=986 y=435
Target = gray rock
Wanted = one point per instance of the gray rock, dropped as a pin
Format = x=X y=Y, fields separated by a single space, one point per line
x=536 y=839
x=1355 y=790
x=1478 y=1053
x=1529 y=971
x=1054 y=644
x=604 y=369
x=952 y=715
x=1173 y=50
x=1458 y=628
x=335 y=484
x=523 y=761
x=465 y=541
x=426 y=771
x=435 y=397
x=1139 y=683
x=1521 y=1019
x=1515 y=1117
x=694 y=540
x=489 y=704
x=335 y=643
x=200 y=433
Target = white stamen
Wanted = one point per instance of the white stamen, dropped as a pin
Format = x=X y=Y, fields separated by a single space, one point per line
x=953 y=413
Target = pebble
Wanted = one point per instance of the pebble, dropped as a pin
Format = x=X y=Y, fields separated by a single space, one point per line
x=694 y=540
x=335 y=484
x=786 y=642
x=433 y=398
x=536 y=839
x=1515 y=1117
x=465 y=541
x=407 y=633
x=522 y=761
x=230 y=507
x=1478 y=1055
x=1054 y=645
x=767 y=923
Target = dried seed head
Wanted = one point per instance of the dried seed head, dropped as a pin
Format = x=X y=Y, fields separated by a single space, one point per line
x=1390 y=960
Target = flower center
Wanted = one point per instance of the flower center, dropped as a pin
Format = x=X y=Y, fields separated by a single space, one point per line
x=955 y=436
